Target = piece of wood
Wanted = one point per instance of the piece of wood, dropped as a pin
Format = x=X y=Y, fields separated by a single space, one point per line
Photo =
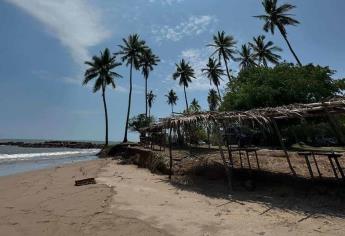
x=339 y=167
x=170 y=153
x=333 y=168
x=317 y=166
x=85 y=181
x=309 y=166
x=228 y=170
x=283 y=146
x=257 y=159
x=248 y=160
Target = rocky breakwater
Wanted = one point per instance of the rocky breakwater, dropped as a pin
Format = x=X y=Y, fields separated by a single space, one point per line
x=56 y=144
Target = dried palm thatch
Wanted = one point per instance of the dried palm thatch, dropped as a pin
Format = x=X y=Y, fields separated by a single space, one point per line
x=261 y=116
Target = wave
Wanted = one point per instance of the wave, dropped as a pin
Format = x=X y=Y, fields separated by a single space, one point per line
x=47 y=155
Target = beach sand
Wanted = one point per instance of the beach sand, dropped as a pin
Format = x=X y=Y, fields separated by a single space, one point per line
x=128 y=200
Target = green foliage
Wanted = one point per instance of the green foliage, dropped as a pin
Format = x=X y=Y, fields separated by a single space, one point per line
x=284 y=84
x=140 y=121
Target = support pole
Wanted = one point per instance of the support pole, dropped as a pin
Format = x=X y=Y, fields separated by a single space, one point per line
x=170 y=153
x=228 y=169
x=283 y=146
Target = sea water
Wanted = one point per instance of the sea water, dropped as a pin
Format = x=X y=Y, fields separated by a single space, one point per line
x=14 y=159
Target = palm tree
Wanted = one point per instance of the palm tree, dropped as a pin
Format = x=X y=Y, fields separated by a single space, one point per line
x=100 y=68
x=131 y=52
x=278 y=16
x=214 y=72
x=150 y=99
x=213 y=100
x=172 y=99
x=225 y=47
x=264 y=52
x=194 y=106
x=147 y=61
x=246 y=59
x=185 y=73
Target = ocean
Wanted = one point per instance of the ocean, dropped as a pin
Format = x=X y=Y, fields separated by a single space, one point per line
x=14 y=159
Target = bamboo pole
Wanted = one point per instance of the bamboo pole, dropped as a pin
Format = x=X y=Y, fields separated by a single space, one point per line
x=228 y=169
x=283 y=146
x=170 y=153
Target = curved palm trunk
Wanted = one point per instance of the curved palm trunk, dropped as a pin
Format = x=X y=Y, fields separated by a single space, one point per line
x=106 y=117
x=129 y=102
x=172 y=109
x=185 y=96
x=227 y=69
x=289 y=45
x=146 y=96
x=149 y=111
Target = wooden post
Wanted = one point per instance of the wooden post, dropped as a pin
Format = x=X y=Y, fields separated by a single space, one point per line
x=220 y=144
x=283 y=146
x=248 y=160
x=317 y=166
x=228 y=145
x=170 y=153
x=257 y=159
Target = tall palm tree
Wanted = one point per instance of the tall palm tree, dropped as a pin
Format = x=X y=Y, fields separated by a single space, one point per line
x=265 y=52
x=246 y=59
x=213 y=100
x=172 y=99
x=225 y=47
x=147 y=61
x=131 y=52
x=194 y=106
x=278 y=16
x=214 y=72
x=150 y=99
x=101 y=68
x=185 y=73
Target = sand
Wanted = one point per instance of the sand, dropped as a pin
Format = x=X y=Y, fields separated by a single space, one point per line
x=128 y=200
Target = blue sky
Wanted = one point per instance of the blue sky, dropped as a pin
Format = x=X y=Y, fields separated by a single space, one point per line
x=44 y=43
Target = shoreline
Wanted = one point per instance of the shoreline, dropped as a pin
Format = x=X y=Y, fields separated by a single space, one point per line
x=46 y=202
x=54 y=144
x=128 y=200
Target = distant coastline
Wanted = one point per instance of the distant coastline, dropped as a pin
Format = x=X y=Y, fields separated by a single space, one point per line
x=53 y=144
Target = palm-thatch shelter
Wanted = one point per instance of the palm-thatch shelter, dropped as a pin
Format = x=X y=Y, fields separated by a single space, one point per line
x=264 y=117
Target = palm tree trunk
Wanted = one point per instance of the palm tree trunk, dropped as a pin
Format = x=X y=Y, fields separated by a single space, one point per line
x=106 y=117
x=146 y=96
x=289 y=45
x=129 y=102
x=149 y=111
x=227 y=69
x=172 y=109
x=185 y=96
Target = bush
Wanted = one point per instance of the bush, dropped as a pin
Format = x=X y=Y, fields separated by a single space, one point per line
x=284 y=84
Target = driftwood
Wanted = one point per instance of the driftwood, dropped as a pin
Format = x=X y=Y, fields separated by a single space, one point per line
x=85 y=181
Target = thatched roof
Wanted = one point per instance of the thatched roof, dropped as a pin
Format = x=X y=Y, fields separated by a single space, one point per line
x=263 y=116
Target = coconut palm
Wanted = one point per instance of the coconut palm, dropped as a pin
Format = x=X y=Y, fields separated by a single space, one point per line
x=265 y=52
x=150 y=99
x=246 y=59
x=278 y=16
x=131 y=52
x=101 y=69
x=172 y=99
x=194 y=106
x=213 y=100
x=214 y=72
x=225 y=48
x=147 y=61
x=185 y=73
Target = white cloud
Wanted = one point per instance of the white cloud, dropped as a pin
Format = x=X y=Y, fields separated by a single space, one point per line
x=75 y=23
x=195 y=25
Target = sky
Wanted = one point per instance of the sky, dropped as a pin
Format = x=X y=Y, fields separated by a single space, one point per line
x=44 y=44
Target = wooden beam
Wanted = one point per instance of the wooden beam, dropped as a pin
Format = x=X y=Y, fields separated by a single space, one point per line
x=283 y=145
x=228 y=169
x=170 y=153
